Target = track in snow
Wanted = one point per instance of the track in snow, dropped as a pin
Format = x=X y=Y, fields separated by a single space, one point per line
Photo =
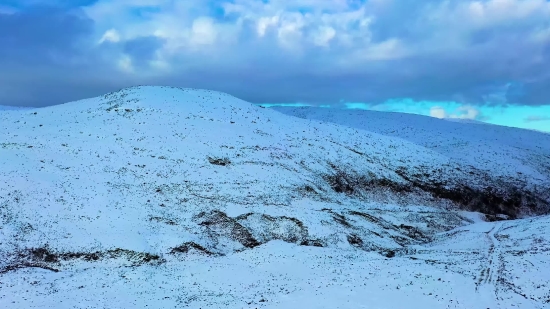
x=490 y=274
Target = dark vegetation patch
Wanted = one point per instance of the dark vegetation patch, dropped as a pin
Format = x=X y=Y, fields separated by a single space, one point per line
x=517 y=252
x=338 y=218
x=113 y=105
x=389 y=254
x=414 y=233
x=163 y=220
x=312 y=191
x=283 y=228
x=377 y=234
x=219 y=161
x=253 y=229
x=371 y=218
x=47 y=258
x=402 y=234
x=341 y=219
x=221 y=224
x=186 y=247
x=509 y=199
x=442 y=222
x=342 y=181
x=407 y=230
x=494 y=218
x=312 y=243
x=401 y=240
x=355 y=240
x=491 y=196
x=138 y=258
x=21 y=265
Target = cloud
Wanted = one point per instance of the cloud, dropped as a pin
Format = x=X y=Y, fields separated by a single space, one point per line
x=438 y=112
x=22 y=4
x=537 y=118
x=141 y=50
x=47 y=57
x=110 y=35
x=462 y=112
x=319 y=52
x=41 y=35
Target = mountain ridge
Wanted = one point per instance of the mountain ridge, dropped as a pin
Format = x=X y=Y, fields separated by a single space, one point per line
x=150 y=178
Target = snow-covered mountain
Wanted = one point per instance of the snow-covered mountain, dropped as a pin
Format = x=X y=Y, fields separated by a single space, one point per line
x=167 y=197
x=10 y=108
x=500 y=150
x=508 y=154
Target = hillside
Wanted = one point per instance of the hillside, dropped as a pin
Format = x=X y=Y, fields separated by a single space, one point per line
x=10 y=108
x=171 y=197
x=497 y=149
x=507 y=153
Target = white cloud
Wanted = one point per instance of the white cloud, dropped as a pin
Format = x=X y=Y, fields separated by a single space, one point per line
x=323 y=23
x=303 y=25
x=203 y=31
x=125 y=64
x=289 y=32
x=462 y=112
x=438 y=112
x=465 y=112
x=355 y=50
x=264 y=23
x=474 y=14
x=110 y=35
x=324 y=35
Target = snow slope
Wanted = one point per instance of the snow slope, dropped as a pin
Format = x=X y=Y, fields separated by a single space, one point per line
x=167 y=197
x=501 y=150
x=10 y=108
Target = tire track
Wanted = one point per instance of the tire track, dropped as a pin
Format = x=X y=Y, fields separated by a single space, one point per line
x=490 y=274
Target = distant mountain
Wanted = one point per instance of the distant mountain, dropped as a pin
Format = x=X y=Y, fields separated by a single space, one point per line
x=167 y=197
x=502 y=152
x=9 y=108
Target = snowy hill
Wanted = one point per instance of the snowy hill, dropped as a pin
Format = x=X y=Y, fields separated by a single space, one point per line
x=10 y=108
x=503 y=151
x=173 y=197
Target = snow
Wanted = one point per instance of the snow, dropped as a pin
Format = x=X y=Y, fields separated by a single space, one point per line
x=11 y=108
x=501 y=150
x=163 y=197
x=289 y=276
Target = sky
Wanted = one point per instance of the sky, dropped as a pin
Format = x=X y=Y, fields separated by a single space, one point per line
x=485 y=60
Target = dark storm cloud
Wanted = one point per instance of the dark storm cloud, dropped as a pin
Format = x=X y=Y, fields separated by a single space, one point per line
x=487 y=52
x=40 y=35
x=45 y=58
x=142 y=49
